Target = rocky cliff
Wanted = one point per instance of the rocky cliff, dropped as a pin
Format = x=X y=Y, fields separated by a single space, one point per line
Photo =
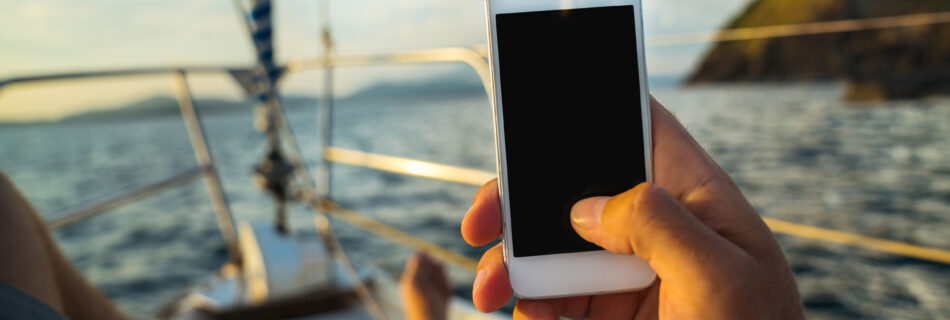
x=893 y=63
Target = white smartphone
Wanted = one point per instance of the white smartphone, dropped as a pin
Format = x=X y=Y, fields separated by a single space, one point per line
x=572 y=120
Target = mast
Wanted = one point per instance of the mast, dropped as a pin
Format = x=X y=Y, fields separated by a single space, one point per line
x=325 y=110
x=275 y=171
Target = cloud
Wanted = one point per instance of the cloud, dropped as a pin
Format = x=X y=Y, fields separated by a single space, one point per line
x=362 y=26
x=55 y=36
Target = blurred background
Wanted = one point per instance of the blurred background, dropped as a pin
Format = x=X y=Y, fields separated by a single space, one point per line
x=838 y=119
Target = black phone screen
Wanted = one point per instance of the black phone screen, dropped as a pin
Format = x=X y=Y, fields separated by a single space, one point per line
x=570 y=101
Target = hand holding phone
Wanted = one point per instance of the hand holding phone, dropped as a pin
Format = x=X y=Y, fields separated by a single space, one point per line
x=713 y=254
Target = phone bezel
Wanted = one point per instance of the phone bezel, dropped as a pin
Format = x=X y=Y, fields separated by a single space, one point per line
x=594 y=272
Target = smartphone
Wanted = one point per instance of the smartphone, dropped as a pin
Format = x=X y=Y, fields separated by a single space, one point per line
x=572 y=120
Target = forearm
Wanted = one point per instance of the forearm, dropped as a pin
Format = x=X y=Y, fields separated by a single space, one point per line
x=40 y=268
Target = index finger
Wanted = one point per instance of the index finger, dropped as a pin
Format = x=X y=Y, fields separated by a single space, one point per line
x=682 y=167
x=482 y=222
x=680 y=164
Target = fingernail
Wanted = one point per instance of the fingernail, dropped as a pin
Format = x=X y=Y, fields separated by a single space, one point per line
x=588 y=216
x=479 y=280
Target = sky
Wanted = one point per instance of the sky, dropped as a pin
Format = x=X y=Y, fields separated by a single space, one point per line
x=55 y=36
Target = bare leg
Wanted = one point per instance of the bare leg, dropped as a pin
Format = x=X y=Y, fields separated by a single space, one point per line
x=425 y=289
x=32 y=262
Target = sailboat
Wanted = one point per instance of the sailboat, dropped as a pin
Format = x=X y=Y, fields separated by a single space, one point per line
x=273 y=273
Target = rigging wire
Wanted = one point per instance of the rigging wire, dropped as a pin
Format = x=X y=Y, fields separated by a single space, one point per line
x=799 y=29
x=477 y=178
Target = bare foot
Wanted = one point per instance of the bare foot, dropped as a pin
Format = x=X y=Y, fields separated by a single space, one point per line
x=425 y=289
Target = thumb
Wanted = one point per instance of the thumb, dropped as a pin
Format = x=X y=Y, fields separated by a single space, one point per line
x=649 y=222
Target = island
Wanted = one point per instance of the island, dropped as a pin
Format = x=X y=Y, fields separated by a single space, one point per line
x=878 y=64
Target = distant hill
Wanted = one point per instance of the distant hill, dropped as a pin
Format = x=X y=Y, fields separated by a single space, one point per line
x=877 y=64
x=447 y=85
x=158 y=106
x=163 y=106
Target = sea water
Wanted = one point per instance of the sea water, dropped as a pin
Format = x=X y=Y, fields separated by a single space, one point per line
x=797 y=151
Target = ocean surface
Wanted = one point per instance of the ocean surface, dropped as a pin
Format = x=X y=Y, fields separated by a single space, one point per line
x=799 y=153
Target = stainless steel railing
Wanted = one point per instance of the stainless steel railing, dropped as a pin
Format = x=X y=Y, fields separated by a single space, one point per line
x=196 y=135
x=199 y=144
x=800 y=29
x=443 y=172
